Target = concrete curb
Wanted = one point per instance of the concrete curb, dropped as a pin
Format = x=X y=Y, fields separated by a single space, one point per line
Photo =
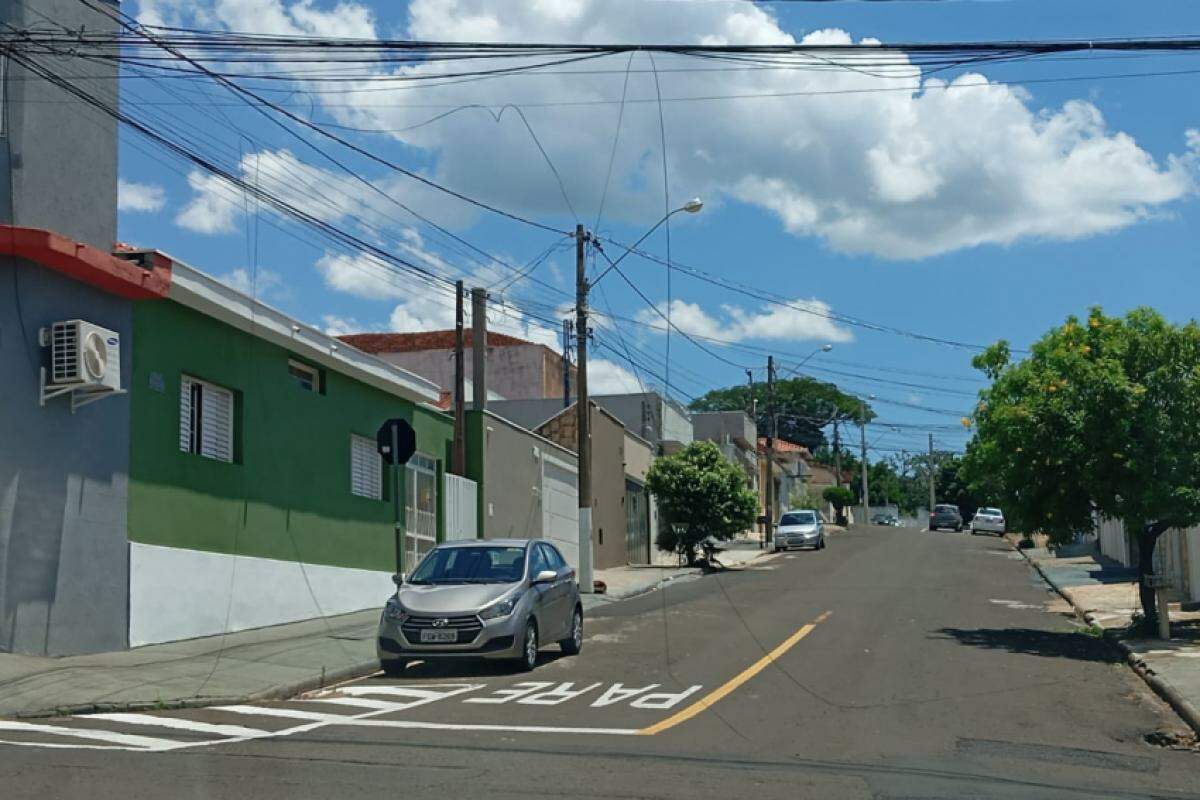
x=280 y=691
x=1171 y=695
x=284 y=691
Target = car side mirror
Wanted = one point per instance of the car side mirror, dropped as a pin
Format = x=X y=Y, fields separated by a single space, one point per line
x=398 y=579
x=546 y=576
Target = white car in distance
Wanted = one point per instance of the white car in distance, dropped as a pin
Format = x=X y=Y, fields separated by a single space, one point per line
x=988 y=519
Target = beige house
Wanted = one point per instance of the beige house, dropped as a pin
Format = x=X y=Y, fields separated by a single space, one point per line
x=620 y=504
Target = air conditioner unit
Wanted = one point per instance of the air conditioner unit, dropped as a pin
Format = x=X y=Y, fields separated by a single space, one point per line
x=84 y=356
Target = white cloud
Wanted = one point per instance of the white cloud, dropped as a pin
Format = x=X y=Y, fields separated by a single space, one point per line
x=212 y=209
x=802 y=319
x=145 y=197
x=898 y=166
x=340 y=326
x=261 y=283
x=608 y=377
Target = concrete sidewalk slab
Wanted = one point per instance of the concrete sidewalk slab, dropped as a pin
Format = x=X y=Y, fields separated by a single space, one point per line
x=630 y=581
x=246 y=666
x=1105 y=595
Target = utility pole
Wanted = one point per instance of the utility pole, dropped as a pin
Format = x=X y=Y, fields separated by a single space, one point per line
x=866 y=497
x=771 y=433
x=932 y=500
x=583 y=421
x=837 y=455
x=459 y=460
x=479 y=348
x=566 y=363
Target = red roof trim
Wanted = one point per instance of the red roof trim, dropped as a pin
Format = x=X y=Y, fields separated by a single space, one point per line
x=89 y=264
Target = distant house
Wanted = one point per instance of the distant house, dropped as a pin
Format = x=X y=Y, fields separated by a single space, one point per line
x=737 y=436
x=517 y=368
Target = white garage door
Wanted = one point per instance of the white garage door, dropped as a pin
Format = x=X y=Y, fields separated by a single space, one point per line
x=560 y=509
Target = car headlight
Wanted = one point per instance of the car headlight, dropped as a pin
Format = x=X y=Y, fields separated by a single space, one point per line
x=500 y=609
x=394 y=611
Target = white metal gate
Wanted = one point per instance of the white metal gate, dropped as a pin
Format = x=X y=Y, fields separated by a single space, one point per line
x=462 y=503
x=560 y=507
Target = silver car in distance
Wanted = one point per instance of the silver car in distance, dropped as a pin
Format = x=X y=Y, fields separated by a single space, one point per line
x=493 y=598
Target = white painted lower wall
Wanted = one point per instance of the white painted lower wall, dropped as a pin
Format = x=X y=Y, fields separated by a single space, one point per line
x=176 y=593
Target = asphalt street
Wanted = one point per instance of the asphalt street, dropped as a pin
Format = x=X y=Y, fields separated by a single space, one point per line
x=893 y=664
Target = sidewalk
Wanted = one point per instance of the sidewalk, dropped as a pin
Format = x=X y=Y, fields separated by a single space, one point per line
x=630 y=581
x=247 y=666
x=1106 y=595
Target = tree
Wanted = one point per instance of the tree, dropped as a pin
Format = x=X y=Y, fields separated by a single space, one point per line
x=699 y=494
x=839 y=497
x=803 y=406
x=1103 y=417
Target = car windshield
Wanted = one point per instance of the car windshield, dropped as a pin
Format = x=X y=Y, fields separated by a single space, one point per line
x=484 y=564
x=990 y=512
x=945 y=510
x=799 y=518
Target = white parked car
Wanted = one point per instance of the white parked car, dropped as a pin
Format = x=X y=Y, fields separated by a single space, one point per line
x=988 y=519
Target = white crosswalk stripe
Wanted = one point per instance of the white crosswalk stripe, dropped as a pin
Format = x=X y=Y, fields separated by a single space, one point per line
x=180 y=724
x=95 y=734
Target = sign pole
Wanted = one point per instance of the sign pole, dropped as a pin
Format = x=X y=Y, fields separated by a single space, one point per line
x=396 y=467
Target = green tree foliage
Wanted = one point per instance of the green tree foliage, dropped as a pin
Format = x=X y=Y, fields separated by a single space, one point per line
x=1104 y=416
x=840 y=497
x=804 y=406
x=699 y=494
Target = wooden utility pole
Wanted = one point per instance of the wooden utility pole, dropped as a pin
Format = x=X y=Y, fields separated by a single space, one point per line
x=459 y=459
x=771 y=433
x=566 y=378
x=583 y=420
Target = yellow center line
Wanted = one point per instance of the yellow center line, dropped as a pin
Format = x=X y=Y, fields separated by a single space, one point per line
x=749 y=672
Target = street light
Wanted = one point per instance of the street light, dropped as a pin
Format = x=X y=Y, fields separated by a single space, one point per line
x=692 y=206
x=825 y=348
x=582 y=404
x=866 y=495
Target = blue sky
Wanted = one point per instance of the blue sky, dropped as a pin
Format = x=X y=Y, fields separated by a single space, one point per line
x=872 y=205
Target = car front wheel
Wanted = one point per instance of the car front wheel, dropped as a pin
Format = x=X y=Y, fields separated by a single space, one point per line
x=574 y=643
x=529 y=648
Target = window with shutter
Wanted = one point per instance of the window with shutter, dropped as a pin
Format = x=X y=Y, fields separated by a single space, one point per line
x=366 y=468
x=205 y=419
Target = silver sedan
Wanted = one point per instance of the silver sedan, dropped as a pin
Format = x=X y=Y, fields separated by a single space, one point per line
x=496 y=599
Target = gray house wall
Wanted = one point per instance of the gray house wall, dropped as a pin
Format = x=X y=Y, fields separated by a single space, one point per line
x=63 y=501
x=60 y=157
x=63 y=476
x=513 y=470
x=529 y=413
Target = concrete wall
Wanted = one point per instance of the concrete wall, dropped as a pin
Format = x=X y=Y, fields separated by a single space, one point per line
x=63 y=479
x=514 y=371
x=608 y=480
x=659 y=421
x=60 y=158
x=513 y=506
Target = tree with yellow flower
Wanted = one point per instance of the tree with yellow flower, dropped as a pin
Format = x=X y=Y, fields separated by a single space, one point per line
x=1101 y=417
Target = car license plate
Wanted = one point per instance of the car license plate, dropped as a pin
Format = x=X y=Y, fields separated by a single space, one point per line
x=439 y=636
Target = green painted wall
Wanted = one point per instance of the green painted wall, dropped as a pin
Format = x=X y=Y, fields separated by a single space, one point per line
x=287 y=496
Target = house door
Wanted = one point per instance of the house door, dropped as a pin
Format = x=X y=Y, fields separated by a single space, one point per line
x=637 y=523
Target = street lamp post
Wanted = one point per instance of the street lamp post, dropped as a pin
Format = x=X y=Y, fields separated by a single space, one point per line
x=582 y=403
